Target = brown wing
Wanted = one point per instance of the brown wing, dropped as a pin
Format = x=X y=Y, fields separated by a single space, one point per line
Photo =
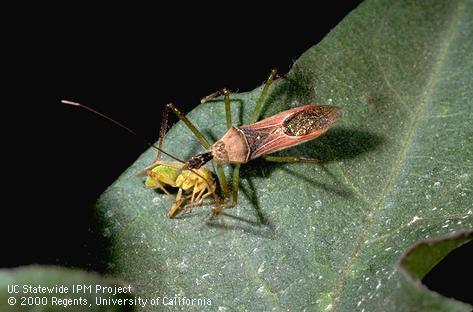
x=289 y=128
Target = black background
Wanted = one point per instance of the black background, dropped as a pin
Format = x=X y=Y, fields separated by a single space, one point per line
x=128 y=62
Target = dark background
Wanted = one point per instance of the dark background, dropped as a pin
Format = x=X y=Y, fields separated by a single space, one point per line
x=128 y=62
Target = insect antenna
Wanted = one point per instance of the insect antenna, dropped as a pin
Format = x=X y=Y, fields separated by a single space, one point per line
x=162 y=131
x=131 y=131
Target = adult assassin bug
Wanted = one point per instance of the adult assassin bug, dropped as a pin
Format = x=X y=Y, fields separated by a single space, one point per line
x=245 y=143
x=259 y=138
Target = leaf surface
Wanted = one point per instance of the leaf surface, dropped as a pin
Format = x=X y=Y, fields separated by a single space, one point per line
x=395 y=170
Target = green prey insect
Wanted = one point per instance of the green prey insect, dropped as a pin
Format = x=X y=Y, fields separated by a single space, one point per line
x=193 y=185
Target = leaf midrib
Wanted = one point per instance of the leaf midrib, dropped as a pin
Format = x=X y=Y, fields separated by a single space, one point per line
x=457 y=16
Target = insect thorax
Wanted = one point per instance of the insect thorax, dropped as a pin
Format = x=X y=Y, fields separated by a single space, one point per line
x=231 y=148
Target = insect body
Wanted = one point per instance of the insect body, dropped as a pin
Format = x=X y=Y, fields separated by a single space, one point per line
x=284 y=130
x=194 y=185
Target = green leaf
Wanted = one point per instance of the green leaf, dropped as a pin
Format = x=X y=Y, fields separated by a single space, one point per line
x=419 y=260
x=45 y=288
x=396 y=169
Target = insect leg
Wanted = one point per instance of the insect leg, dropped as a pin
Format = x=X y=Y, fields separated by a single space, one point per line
x=162 y=132
x=235 y=184
x=176 y=201
x=176 y=204
x=212 y=96
x=291 y=159
x=198 y=197
x=191 y=206
x=228 y=112
x=259 y=103
x=205 y=144
x=162 y=188
x=226 y=98
x=203 y=141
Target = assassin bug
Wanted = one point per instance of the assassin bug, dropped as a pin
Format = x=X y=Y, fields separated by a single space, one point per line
x=257 y=139
x=245 y=143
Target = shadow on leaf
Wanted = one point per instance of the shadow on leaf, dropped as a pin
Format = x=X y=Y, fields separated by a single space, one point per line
x=344 y=143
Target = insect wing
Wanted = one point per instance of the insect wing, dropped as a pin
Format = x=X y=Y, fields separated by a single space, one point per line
x=289 y=128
